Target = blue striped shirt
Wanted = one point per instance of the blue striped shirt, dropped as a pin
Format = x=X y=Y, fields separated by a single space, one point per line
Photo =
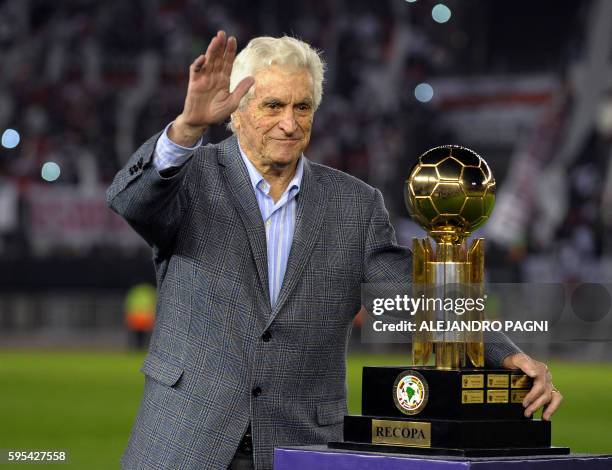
x=279 y=218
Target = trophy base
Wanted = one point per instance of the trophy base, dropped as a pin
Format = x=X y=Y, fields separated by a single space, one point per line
x=440 y=451
x=467 y=438
x=456 y=412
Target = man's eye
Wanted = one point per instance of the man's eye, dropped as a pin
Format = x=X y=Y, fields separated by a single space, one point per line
x=304 y=107
x=273 y=105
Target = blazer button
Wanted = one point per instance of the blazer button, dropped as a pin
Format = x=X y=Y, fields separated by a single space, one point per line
x=131 y=171
x=256 y=391
x=267 y=336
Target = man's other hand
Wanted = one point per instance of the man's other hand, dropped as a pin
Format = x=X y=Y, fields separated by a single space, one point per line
x=543 y=393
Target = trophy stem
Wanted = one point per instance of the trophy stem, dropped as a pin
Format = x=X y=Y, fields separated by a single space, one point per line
x=449 y=355
x=475 y=340
x=450 y=271
x=475 y=352
x=421 y=351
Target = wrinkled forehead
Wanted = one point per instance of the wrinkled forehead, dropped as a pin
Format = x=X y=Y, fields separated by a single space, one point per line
x=284 y=82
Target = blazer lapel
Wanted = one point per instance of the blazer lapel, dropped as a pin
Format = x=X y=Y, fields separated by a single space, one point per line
x=245 y=202
x=311 y=206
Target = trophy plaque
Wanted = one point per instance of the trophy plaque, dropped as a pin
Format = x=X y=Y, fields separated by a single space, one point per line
x=447 y=402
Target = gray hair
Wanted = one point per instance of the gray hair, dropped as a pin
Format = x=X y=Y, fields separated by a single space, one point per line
x=267 y=51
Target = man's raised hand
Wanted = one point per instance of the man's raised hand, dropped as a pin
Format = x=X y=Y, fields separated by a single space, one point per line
x=208 y=99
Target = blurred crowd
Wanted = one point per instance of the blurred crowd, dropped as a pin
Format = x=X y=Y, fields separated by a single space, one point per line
x=85 y=82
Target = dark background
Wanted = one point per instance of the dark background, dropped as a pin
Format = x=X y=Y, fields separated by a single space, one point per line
x=85 y=82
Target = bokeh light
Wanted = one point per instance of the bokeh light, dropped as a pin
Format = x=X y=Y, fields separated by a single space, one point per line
x=423 y=92
x=10 y=138
x=440 y=13
x=50 y=171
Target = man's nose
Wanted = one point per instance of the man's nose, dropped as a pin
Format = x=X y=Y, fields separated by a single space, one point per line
x=288 y=124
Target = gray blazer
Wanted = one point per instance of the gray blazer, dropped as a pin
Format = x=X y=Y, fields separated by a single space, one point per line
x=210 y=369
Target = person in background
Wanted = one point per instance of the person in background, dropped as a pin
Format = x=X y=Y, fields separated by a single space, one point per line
x=140 y=314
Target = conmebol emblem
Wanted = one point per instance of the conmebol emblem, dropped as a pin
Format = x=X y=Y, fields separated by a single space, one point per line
x=410 y=392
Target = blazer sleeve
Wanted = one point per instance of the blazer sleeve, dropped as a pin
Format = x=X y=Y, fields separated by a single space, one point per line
x=151 y=203
x=386 y=261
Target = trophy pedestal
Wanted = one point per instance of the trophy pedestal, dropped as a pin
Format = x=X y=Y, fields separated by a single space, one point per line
x=461 y=412
x=466 y=438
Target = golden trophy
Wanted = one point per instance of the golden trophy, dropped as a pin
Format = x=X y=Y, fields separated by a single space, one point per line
x=447 y=402
x=450 y=192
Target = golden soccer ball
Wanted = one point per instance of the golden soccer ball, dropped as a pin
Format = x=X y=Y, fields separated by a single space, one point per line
x=450 y=192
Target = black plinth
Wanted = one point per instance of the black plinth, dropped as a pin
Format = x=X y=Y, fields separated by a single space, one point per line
x=453 y=394
x=463 y=412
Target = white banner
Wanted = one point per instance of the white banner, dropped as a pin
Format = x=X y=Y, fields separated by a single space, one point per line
x=68 y=217
x=492 y=110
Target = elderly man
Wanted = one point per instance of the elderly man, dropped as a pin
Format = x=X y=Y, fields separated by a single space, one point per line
x=259 y=255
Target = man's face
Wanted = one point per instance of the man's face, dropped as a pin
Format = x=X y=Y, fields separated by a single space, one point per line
x=274 y=127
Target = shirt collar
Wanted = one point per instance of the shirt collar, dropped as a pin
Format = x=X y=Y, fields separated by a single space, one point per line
x=258 y=181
